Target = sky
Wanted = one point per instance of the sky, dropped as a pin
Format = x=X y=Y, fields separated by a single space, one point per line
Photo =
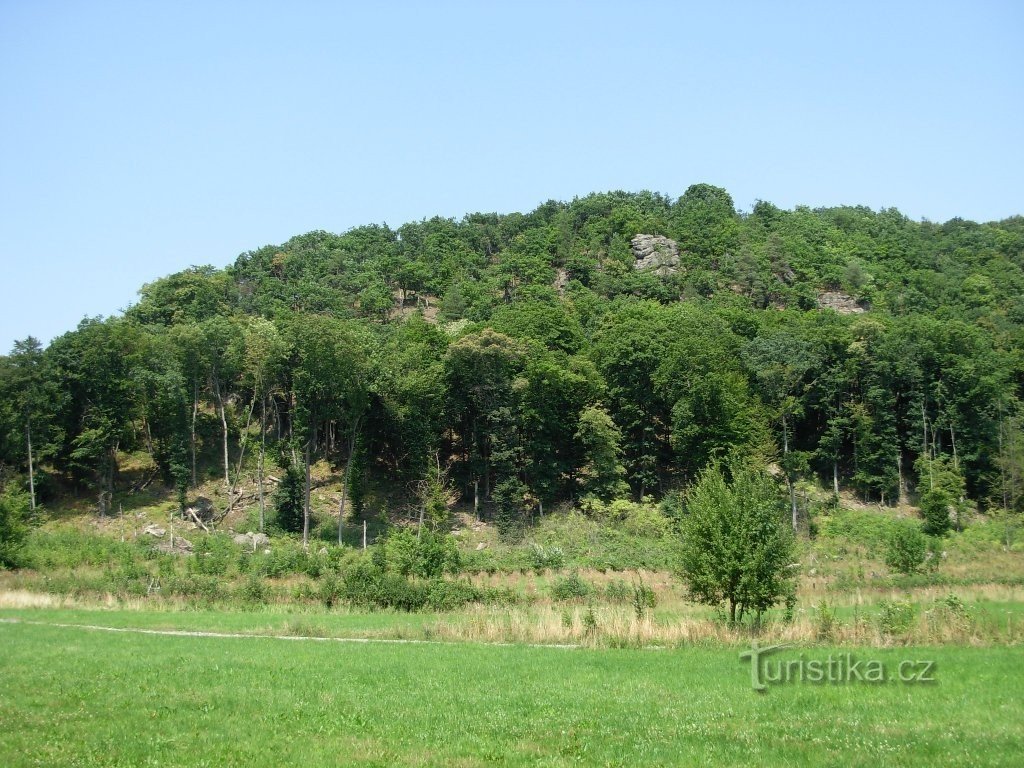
x=140 y=138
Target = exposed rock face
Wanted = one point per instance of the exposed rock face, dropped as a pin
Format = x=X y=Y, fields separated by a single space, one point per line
x=561 y=280
x=251 y=540
x=843 y=303
x=657 y=253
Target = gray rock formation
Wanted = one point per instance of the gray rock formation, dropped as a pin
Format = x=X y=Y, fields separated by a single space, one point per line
x=656 y=253
x=251 y=540
x=843 y=303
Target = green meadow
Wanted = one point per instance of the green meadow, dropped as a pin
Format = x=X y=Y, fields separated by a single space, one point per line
x=72 y=696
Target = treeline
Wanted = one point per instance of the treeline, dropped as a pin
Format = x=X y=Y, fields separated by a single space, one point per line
x=515 y=361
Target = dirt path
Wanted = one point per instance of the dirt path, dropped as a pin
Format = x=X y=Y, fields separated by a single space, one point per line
x=250 y=635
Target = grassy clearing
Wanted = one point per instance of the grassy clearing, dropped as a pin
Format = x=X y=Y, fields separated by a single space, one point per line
x=79 y=697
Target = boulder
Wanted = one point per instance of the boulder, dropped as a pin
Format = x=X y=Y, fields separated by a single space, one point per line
x=656 y=253
x=154 y=530
x=251 y=540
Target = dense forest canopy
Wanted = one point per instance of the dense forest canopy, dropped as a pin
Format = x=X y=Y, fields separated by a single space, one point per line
x=615 y=344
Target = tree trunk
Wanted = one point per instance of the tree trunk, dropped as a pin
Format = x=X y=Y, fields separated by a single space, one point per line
x=476 y=498
x=902 y=479
x=263 y=452
x=224 y=431
x=789 y=478
x=305 y=504
x=31 y=469
x=732 y=611
x=192 y=440
x=835 y=477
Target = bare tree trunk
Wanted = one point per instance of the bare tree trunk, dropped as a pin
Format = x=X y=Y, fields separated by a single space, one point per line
x=241 y=455
x=476 y=498
x=192 y=440
x=952 y=440
x=902 y=500
x=789 y=479
x=263 y=452
x=835 y=477
x=31 y=469
x=305 y=505
x=364 y=534
x=224 y=431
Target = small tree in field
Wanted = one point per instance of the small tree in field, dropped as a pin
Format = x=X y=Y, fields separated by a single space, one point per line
x=907 y=549
x=736 y=547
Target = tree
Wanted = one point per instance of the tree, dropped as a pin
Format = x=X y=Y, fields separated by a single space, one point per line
x=33 y=393
x=779 y=362
x=736 y=548
x=907 y=548
x=266 y=352
x=13 y=513
x=603 y=474
x=289 y=498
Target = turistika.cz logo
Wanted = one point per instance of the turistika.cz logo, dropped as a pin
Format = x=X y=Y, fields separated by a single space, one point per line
x=836 y=669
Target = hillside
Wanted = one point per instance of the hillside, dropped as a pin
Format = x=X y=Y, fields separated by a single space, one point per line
x=609 y=347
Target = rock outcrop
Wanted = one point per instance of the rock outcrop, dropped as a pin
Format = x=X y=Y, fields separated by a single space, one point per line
x=656 y=253
x=843 y=303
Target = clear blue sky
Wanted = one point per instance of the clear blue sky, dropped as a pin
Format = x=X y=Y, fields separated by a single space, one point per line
x=139 y=138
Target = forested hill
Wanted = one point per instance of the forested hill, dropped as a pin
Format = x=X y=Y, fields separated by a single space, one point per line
x=611 y=345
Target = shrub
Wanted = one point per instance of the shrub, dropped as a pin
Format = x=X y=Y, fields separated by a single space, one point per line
x=571 y=587
x=908 y=549
x=450 y=595
x=13 y=514
x=428 y=556
x=825 y=622
x=212 y=555
x=935 y=504
x=644 y=599
x=618 y=591
x=550 y=557
x=895 y=617
x=254 y=590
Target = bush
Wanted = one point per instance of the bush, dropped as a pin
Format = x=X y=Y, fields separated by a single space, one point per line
x=550 y=557
x=644 y=599
x=428 y=556
x=254 y=590
x=825 y=622
x=935 y=504
x=13 y=514
x=451 y=595
x=571 y=587
x=895 y=617
x=212 y=555
x=908 y=549
x=618 y=591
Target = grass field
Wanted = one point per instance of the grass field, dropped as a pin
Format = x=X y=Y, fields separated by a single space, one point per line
x=81 y=697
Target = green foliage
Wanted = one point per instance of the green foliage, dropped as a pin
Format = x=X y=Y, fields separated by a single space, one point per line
x=908 y=548
x=428 y=556
x=571 y=587
x=736 y=548
x=13 y=528
x=644 y=599
x=896 y=617
x=288 y=499
x=935 y=506
x=825 y=622
x=569 y=375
